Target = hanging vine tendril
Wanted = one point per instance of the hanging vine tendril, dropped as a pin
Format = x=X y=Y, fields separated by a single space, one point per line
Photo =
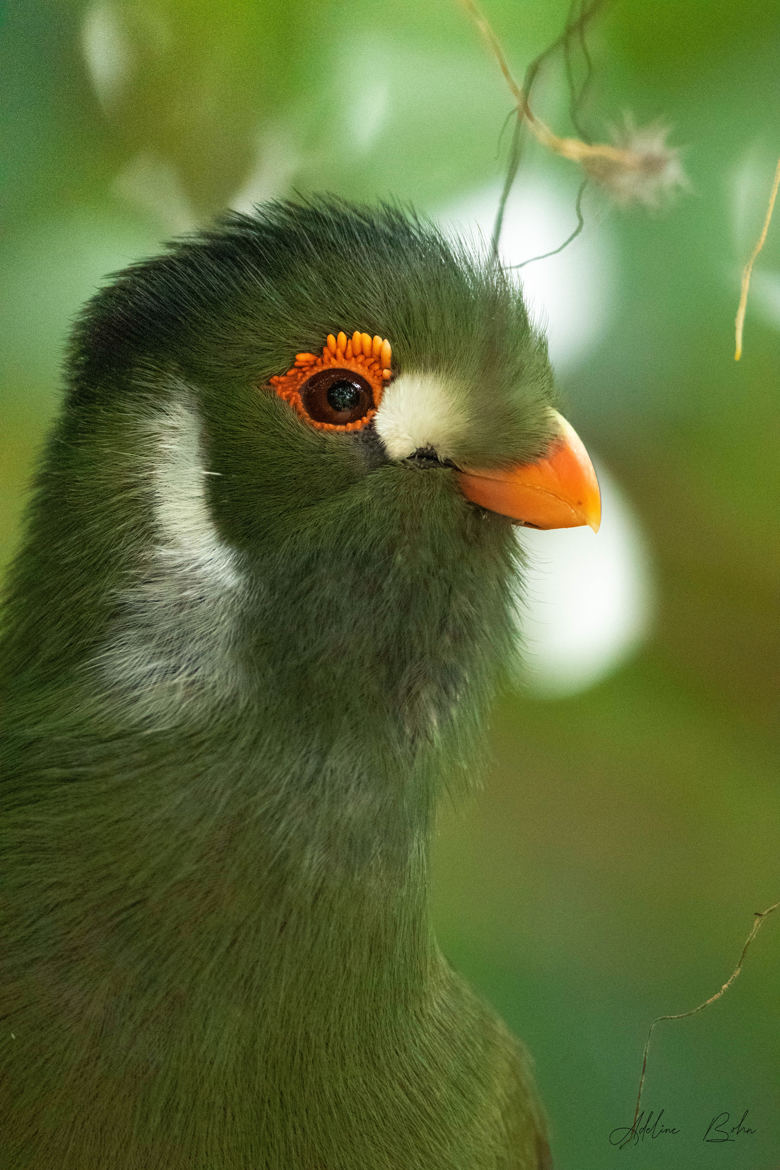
x=637 y=167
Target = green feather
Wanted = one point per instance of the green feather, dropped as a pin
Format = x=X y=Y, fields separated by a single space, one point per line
x=224 y=742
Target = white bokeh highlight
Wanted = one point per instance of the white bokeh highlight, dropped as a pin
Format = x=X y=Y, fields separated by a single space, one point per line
x=108 y=52
x=570 y=295
x=588 y=599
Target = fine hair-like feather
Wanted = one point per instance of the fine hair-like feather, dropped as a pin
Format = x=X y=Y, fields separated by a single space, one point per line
x=241 y=660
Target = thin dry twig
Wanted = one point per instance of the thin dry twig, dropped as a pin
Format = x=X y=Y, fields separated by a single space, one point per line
x=578 y=25
x=581 y=13
x=759 y=918
x=587 y=154
x=637 y=167
x=748 y=269
x=572 y=148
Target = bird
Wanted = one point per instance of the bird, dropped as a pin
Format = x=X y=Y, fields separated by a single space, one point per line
x=250 y=642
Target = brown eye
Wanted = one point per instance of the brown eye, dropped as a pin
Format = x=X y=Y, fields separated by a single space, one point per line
x=336 y=396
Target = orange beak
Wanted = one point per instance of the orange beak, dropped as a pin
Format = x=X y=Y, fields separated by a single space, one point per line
x=558 y=491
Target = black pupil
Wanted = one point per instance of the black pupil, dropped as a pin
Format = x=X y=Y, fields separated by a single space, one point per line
x=344 y=395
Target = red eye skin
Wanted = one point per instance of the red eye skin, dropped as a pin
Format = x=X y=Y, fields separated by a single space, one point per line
x=341 y=389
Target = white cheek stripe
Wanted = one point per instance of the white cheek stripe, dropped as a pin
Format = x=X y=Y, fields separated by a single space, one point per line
x=190 y=541
x=420 y=410
x=172 y=640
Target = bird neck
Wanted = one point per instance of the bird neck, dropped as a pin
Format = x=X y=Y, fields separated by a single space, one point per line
x=312 y=873
x=229 y=870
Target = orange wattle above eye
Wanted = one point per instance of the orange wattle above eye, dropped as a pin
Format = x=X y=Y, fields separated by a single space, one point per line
x=341 y=389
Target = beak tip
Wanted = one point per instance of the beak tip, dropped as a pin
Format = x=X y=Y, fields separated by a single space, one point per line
x=560 y=490
x=592 y=509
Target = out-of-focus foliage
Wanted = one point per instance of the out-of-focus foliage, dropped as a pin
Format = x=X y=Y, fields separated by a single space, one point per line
x=610 y=871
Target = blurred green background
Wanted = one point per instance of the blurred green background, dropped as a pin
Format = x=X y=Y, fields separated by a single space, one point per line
x=609 y=870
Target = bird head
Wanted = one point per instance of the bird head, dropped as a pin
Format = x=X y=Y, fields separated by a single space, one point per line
x=289 y=463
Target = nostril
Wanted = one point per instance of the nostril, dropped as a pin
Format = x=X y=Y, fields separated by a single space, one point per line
x=425 y=455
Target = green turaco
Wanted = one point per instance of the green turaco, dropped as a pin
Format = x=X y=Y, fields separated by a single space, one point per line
x=249 y=642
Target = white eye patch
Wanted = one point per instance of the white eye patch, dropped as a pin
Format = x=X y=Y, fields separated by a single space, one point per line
x=420 y=410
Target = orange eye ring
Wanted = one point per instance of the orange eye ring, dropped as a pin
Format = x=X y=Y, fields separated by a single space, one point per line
x=368 y=358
